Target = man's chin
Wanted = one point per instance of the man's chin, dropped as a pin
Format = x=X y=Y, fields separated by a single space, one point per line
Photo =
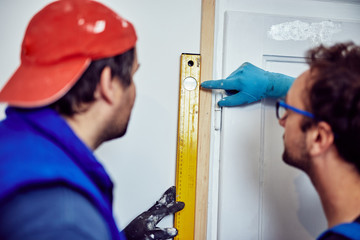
x=288 y=159
x=116 y=135
x=121 y=134
x=285 y=157
x=296 y=163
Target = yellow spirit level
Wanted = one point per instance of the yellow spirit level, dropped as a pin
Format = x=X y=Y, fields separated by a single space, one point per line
x=187 y=143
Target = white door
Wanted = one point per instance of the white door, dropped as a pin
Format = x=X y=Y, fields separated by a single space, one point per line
x=260 y=197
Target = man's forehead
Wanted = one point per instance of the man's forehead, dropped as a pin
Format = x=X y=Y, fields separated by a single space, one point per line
x=298 y=87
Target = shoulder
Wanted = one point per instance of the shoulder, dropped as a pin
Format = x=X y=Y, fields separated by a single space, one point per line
x=346 y=231
x=56 y=212
x=334 y=236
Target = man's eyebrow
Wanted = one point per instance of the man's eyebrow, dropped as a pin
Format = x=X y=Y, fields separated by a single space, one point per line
x=286 y=98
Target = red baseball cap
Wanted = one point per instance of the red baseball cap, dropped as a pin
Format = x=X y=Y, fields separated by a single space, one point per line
x=58 y=46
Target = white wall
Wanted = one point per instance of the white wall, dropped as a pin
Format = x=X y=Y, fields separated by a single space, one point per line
x=142 y=164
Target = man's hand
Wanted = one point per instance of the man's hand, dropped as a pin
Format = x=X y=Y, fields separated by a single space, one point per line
x=249 y=84
x=143 y=227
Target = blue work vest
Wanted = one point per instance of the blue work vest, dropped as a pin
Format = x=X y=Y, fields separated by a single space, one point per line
x=38 y=148
x=349 y=230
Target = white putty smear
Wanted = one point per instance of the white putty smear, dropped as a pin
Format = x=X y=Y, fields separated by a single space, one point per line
x=320 y=32
x=162 y=200
x=171 y=231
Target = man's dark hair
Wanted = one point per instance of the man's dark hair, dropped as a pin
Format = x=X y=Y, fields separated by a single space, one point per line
x=334 y=95
x=84 y=88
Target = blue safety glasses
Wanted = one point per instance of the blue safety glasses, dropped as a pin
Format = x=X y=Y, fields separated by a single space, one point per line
x=282 y=108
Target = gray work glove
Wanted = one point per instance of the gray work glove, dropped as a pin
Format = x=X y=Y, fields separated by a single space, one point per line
x=143 y=227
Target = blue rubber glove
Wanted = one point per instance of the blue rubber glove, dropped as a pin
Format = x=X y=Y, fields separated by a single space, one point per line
x=249 y=84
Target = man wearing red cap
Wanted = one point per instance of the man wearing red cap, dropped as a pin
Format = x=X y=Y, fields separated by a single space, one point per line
x=72 y=92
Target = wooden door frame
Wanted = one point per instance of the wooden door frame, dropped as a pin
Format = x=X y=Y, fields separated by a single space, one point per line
x=204 y=133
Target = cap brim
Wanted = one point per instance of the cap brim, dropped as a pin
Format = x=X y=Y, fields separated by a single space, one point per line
x=40 y=85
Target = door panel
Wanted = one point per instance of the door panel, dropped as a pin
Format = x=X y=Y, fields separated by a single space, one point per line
x=260 y=197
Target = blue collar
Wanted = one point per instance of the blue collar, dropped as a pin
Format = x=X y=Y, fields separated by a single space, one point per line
x=50 y=124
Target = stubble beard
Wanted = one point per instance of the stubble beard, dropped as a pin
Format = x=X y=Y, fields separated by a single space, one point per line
x=301 y=161
x=114 y=132
x=119 y=132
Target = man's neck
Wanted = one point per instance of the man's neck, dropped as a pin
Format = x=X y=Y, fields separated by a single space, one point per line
x=88 y=125
x=76 y=124
x=338 y=185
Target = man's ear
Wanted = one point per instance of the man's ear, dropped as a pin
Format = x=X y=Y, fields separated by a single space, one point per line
x=320 y=138
x=105 y=89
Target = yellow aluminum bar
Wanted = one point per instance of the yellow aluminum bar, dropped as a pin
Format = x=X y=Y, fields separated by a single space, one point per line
x=187 y=144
